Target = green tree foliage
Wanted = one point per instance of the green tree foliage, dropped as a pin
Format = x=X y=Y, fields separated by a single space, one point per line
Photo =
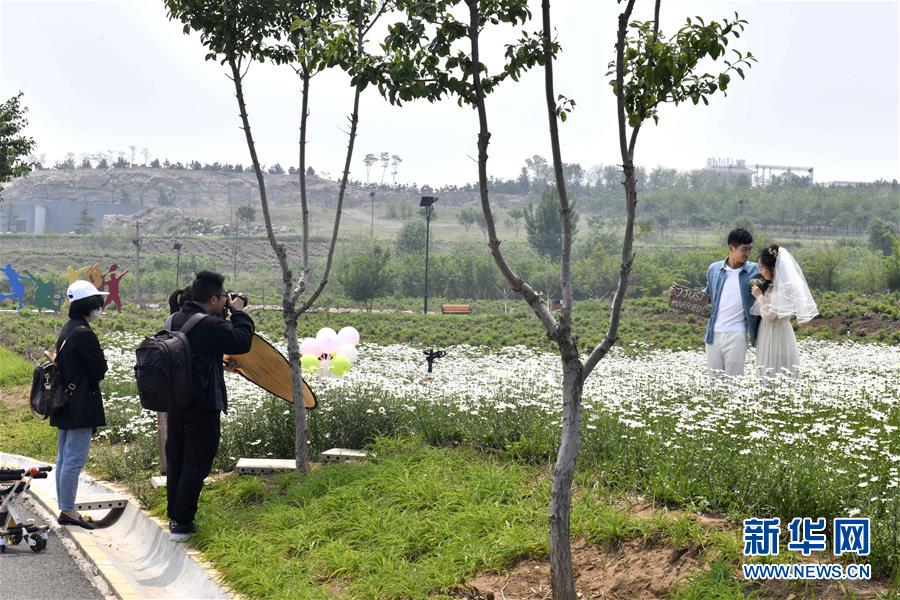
x=411 y=238
x=516 y=215
x=468 y=217
x=543 y=225
x=821 y=268
x=369 y=160
x=65 y=165
x=14 y=147
x=881 y=237
x=246 y=214
x=367 y=276
x=892 y=266
x=86 y=222
x=166 y=198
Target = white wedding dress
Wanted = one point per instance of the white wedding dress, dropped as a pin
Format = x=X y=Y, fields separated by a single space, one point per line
x=787 y=297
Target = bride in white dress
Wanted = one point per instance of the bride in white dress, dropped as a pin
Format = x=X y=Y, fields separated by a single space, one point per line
x=783 y=295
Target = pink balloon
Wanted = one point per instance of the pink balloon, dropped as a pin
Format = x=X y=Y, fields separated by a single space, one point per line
x=349 y=335
x=328 y=345
x=310 y=346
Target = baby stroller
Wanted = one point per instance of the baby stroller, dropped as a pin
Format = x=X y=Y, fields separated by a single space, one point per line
x=13 y=529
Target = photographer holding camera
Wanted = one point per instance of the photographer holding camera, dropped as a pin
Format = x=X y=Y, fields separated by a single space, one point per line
x=193 y=434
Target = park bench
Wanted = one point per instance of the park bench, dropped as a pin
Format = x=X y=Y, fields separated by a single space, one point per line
x=456 y=309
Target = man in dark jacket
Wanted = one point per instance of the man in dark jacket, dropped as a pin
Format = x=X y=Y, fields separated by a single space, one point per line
x=81 y=366
x=193 y=434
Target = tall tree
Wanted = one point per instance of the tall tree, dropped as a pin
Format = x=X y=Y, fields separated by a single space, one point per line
x=426 y=59
x=468 y=217
x=14 y=146
x=246 y=214
x=311 y=36
x=395 y=167
x=543 y=225
x=85 y=223
x=384 y=157
x=366 y=276
x=369 y=160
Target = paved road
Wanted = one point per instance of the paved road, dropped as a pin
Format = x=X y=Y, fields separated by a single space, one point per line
x=53 y=574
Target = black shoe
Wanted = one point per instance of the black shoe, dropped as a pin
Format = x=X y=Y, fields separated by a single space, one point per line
x=179 y=532
x=65 y=519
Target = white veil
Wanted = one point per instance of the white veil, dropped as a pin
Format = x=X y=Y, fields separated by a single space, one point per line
x=790 y=295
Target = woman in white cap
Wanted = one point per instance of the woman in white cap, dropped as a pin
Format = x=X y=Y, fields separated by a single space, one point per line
x=82 y=366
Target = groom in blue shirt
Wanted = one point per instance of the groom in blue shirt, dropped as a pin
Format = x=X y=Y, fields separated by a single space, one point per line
x=730 y=322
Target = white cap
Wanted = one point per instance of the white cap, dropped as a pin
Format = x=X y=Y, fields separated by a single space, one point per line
x=83 y=289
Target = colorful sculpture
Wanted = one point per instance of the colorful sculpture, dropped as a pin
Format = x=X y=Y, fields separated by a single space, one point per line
x=95 y=276
x=73 y=275
x=46 y=296
x=112 y=286
x=16 y=286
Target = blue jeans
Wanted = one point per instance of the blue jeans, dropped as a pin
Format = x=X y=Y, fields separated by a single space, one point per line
x=72 y=452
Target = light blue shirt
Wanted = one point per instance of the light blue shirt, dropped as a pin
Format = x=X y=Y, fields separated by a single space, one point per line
x=715 y=279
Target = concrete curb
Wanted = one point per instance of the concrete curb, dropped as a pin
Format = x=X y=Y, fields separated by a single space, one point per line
x=135 y=555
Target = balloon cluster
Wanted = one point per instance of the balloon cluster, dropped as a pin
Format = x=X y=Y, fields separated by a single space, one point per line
x=330 y=354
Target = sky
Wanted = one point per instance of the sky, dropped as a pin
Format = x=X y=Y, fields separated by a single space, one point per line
x=108 y=74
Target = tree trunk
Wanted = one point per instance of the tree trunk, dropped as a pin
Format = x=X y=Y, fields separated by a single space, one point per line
x=562 y=577
x=289 y=294
x=301 y=445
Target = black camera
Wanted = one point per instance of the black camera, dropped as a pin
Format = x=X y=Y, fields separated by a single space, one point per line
x=232 y=295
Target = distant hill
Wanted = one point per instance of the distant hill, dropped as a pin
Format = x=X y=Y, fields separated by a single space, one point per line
x=192 y=189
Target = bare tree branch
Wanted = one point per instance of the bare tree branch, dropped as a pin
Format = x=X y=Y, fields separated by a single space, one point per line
x=565 y=319
x=515 y=282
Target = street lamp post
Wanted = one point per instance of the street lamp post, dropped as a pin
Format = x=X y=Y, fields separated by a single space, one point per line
x=372 y=200
x=137 y=266
x=177 y=249
x=428 y=203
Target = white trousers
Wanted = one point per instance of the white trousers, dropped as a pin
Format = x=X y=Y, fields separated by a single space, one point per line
x=727 y=354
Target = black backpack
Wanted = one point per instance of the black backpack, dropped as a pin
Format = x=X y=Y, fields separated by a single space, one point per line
x=163 y=368
x=48 y=395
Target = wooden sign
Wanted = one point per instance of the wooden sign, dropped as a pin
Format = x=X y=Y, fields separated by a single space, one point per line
x=690 y=300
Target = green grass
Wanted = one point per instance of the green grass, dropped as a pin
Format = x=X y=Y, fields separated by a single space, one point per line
x=14 y=370
x=872 y=319
x=24 y=433
x=412 y=522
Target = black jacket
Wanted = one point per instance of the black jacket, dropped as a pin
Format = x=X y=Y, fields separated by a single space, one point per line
x=210 y=339
x=81 y=362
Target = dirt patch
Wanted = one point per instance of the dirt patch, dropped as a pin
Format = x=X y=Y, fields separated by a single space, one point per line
x=14 y=397
x=867 y=325
x=632 y=571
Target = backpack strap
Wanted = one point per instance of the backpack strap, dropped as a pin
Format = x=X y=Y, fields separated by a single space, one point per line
x=71 y=333
x=188 y=325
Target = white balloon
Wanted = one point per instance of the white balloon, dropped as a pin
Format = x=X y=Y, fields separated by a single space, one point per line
x=325 y=333
x=349 y=335
x=348 y=350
